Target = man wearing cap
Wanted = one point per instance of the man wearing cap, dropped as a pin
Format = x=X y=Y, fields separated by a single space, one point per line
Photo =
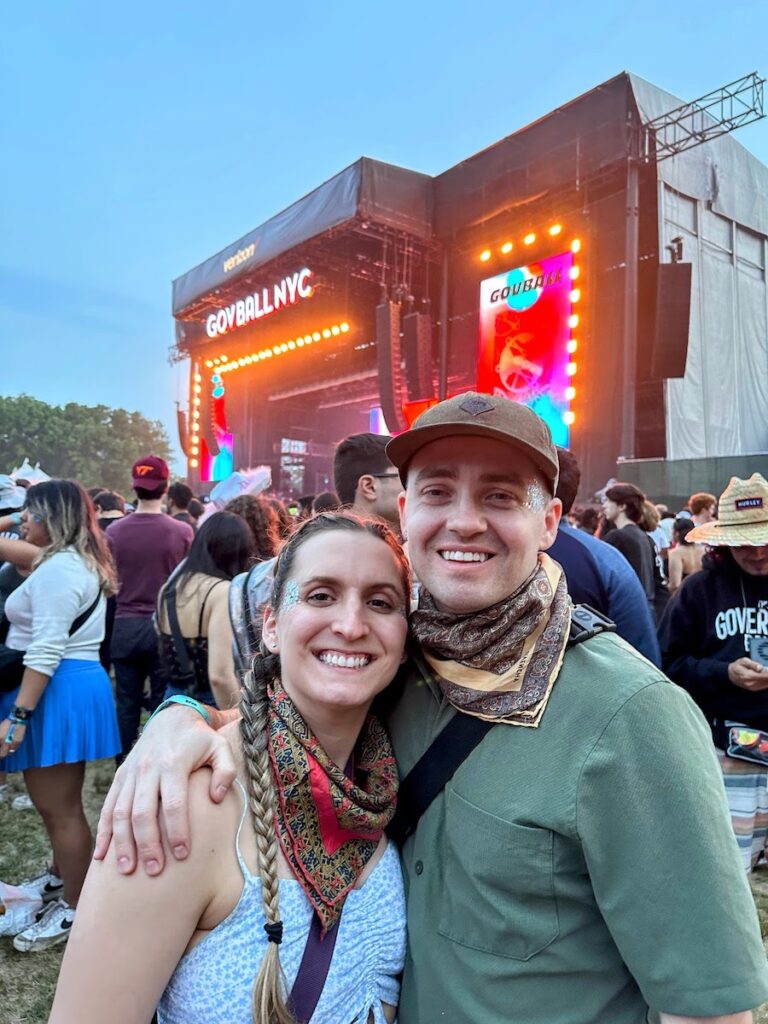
x=714 y=639
x=147 y=546
x=557 y=877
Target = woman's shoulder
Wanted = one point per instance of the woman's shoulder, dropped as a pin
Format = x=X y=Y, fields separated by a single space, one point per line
x=62 y=565
x=213 y=825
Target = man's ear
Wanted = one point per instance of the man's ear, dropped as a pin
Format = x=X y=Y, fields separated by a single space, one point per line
x=401 y=503
x=552 y=516
x=367 y=487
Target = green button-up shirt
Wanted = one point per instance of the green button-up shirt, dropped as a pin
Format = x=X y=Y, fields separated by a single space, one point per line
x=580 y=872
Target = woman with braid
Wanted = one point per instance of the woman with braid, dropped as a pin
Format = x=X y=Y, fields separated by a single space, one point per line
x=313 y=878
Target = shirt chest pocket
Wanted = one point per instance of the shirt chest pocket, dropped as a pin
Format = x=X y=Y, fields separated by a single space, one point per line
x=498 y=894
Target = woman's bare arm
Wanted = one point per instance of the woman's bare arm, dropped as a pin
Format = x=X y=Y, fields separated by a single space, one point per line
x=221 y=662
x=18 y=552
x=674 y=570
x=130 y=933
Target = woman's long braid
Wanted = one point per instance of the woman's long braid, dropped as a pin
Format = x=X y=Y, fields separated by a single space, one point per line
x=269 y=1005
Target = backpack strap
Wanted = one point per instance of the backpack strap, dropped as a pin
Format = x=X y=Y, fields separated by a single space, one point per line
x=587 y=622
x=453 y=744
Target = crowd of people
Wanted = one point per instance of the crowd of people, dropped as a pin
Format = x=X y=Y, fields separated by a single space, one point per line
x=439 y=698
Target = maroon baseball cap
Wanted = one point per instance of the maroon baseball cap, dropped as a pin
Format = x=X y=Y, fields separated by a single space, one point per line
x=150 y=473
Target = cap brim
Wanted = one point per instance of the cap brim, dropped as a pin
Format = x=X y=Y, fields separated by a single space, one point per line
x=726 y=535
x=401 y=449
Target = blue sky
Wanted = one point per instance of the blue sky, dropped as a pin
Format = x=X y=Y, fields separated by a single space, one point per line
x=140 y=139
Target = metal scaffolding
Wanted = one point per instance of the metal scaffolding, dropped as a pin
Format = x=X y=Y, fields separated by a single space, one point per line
x=710 y=116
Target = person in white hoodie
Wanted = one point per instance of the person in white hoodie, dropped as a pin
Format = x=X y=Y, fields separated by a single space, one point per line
x=63 y=713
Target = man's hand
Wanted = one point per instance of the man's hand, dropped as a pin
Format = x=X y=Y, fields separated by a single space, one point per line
x=155 y=779
x=748 y=675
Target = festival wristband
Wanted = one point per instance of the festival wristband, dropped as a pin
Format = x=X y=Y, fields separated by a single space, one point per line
x=11 y=731
x=187 y=702
x=15 y=518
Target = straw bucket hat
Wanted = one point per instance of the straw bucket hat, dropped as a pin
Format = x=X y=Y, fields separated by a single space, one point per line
x=743 y=516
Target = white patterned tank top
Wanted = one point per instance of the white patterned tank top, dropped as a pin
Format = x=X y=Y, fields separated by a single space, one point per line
x=212 y=982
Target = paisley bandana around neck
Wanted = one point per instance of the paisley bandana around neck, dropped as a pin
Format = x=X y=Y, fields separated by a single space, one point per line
x=501 y=663
x=327 y=824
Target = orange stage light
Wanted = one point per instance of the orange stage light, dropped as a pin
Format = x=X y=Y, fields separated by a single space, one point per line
x=573 y=320
x=571 y=369
x=193 y=463
x=574 y=272
x=507 y=247
x=575 y=295
x=576 y=245
x=568 y=417
x=572 y=345
x=555 y=229
x=485 y=255
x=530 y=238
x=335 y=330
x=570 y=393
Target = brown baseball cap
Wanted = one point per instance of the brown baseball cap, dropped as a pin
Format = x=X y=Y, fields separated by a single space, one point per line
x=483 y=416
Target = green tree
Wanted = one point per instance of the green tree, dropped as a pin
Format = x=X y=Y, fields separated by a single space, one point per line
x=90 y=443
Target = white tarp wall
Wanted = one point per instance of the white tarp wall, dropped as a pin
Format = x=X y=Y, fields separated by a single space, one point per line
x=715 y=197
x=720 y=407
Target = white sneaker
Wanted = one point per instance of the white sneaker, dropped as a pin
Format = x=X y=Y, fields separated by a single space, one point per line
x=49 y=886
x=23 y=802
x=52 y=928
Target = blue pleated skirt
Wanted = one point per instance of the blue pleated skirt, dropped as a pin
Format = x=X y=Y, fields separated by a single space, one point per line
x=74 y=721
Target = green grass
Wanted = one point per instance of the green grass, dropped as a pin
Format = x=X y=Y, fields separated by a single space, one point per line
x=28 y=981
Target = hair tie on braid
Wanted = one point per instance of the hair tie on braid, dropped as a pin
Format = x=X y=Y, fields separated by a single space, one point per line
x=274 y=932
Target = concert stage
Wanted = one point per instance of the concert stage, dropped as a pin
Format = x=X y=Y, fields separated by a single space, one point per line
x=614 y=280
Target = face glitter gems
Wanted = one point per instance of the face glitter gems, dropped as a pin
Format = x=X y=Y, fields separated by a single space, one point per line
x=290 y=596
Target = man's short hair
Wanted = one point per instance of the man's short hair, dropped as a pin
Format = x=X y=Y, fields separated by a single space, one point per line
x=145 y=494
x=108 y=501
x=697 y=503
x=356 y=456
x=631 y=497
x=569 y=479
x=180 y=494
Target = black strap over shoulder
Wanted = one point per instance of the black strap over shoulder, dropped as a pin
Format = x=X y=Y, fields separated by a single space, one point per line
x=451 y=747
x=180 y=648
x=84 y=616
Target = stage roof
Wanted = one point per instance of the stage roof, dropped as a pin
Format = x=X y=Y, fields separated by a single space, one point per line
x=367 y=190
x=584 y=139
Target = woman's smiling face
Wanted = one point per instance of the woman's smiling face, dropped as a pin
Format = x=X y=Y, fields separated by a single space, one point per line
x=341 y=627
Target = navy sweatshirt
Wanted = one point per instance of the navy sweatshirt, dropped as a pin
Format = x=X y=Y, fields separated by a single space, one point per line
x=705 y=627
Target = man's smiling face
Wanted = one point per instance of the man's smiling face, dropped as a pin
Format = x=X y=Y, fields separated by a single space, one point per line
x=475 y=513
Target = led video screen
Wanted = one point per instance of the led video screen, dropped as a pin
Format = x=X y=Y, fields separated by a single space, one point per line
x=524 y=335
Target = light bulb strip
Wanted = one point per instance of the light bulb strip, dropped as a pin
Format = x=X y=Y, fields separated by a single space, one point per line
x=220 y=364
x=528 y=239
x=576 y=325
